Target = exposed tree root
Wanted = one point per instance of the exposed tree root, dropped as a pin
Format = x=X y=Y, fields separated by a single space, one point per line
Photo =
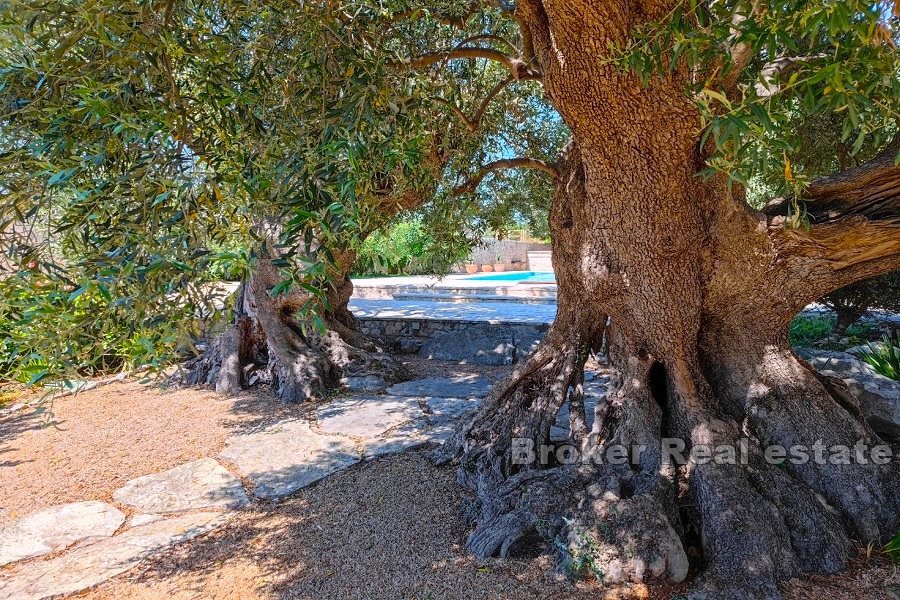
x=757 y=523
x=267 y=344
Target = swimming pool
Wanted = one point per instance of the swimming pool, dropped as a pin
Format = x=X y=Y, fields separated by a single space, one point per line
x=517 y=277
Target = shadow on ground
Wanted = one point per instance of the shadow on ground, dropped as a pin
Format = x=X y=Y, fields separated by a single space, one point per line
x=389 y=528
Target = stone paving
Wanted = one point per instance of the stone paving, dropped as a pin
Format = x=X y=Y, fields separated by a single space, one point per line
x=87 y=543
x=483 y=312
x=199 y=484
x=58 y=527
x=285 y=457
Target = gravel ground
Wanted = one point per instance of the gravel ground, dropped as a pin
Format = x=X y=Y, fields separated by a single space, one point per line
x=421 y=367
x=387 y=529
x=85 y=446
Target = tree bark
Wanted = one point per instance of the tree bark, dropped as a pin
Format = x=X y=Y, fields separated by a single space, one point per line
x=267 y=343
x=700 y=290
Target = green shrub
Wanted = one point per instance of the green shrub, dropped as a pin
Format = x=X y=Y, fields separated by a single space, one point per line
x=806 y=331
x=406 y=248
x=50 y=329
x=854 y=301
x=884 y=358
x=821 y=331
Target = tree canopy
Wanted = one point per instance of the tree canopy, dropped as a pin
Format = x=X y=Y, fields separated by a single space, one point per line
x=145 y=142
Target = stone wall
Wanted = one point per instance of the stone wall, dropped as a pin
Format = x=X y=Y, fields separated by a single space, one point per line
x=509 y=250
x=464 y=341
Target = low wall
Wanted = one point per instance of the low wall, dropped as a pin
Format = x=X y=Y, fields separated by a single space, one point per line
x=469 y=341
x=509 y=250
x=540 y=260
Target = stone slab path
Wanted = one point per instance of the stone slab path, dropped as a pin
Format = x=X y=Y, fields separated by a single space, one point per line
x=285 y=457
x=88 y=566
x=57 y=527
x=90 y=542
x=198 y=484
x=446 y=387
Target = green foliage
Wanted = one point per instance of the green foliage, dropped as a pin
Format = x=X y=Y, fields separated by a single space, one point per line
x=813 y=65
x=876 y=293
x=150 y=146
x=406 y=248
x=817 y=331
x=393 y=251
x=808 y=331
x=892 y=549
x=50 y=328
x=230 y=264
x=884 y=358
x=579 y=557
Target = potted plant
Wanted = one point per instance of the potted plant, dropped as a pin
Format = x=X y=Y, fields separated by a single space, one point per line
x=499 y=266
x=487 y=268
x=471 y=268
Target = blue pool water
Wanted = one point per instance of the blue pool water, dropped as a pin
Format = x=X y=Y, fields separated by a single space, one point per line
x=517 y=277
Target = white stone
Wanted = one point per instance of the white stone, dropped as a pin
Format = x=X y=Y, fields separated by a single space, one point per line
x=91 y=565
x=879 y=397
x=366 y=416
x=143 y=519
x=447 y=387
x=195 y=485
x=406 y=436
x=57 y=527
x=367 y=383
x=283 y=458
x=450 y=408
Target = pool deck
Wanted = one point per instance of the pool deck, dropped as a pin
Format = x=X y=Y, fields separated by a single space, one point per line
x=451 y=287
x=454 y=298
x=485 y=312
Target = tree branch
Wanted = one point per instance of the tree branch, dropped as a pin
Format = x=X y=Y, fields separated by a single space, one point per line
x=518 y=68
x=506 y=163
x=741 y=52
x=871 y=190
x=854 y=227
x=475 y=121
x=490 y=37
x=774 y=72
x=459 y=21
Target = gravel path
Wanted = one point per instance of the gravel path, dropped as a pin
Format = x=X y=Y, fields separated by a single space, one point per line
x=388 y=529
x=85 y=446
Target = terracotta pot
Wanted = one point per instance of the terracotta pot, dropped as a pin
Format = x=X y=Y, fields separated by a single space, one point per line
x=499 y=267
x=471 y=268
x=487 y=268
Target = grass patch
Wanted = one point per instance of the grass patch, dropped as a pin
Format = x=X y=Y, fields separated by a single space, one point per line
x=884 y=358
x=806 y=331
x=893 y=549
x=817 y=331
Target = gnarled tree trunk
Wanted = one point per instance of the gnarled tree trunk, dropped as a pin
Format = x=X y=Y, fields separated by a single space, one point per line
x=267 y=343
x=700 y=290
